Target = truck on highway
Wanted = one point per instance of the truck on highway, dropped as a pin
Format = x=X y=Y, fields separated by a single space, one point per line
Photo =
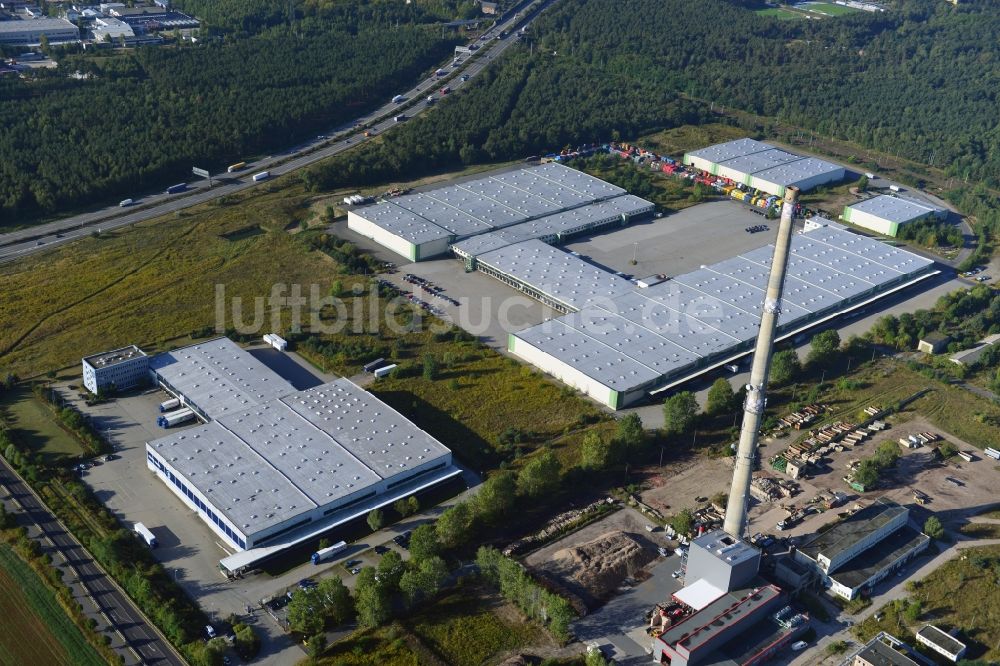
x=445 y=90
x=145 y=534
x=400 y=118
x=329 y=553
x=263 y=175
x=167 y=405
x=170 y=419
x=441 y=72
x=239 y=166
x=179 y=187
x=398 y=99
x=125 y=203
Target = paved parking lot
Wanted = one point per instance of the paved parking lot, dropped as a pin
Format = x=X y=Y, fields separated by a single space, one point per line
x=680 y=242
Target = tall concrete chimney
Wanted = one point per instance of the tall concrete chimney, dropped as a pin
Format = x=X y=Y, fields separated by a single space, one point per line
x=753 y=408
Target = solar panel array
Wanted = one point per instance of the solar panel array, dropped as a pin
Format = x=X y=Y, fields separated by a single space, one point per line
x=643 y=335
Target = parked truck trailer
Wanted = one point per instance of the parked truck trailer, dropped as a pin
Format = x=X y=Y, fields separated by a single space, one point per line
x=171 y=419
x=145 y=534
x=167 y=405
x=329 y=553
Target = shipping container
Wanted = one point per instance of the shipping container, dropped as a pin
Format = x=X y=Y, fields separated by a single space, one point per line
x=263 y=175
x=276 y=341
x=239 y=166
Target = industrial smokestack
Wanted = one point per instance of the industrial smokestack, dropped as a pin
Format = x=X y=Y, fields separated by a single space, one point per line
x=753 y=407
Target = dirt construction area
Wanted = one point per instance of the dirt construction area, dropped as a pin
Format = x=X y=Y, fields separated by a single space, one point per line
x=595 y=561
x=680 y=483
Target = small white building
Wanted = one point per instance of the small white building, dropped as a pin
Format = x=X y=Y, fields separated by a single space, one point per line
x=116 y=370
x=107 y=28
x=941 y=642
x=885 y=214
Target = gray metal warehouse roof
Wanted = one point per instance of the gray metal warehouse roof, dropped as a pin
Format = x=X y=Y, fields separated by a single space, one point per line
x=893 y=209
x=483 y=204
x=377 y=435
x=403 y=223
x=219 y=377
x=587 y=355
x=714 y=309
x=791 y=173
x=764 y=159
x=555 y=272
x=450 y=219
x=272 y=462
x=729 y=150
x=551 y=225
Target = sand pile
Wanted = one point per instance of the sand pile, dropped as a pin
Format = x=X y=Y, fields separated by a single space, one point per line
x=600 y=565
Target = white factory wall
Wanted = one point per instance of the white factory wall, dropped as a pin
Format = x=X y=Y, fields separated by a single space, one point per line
x=163 y=475
x=700 y=163
x=371 y=230
x=563 y=372
x=433 y=248
x=876 y=223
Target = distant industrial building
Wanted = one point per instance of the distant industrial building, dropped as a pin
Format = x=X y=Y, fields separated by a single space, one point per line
x=30 y=32
x=274 y=467
x=764 y=167
x=424 y=225
x=970 y=356
x=855 y=554
x=117 y=370
x=109 y=29
x=885 y=214
x=620 y=341
x=941 y=642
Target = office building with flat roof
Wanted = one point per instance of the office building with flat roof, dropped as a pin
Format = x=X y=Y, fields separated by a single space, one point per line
x=116 y=370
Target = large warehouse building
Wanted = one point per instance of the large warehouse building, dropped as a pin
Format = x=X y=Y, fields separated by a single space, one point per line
x=620 y=342
x=275 y=467
x=550 y=201
x=29 y=32
x=885 y=214
x=763 y=167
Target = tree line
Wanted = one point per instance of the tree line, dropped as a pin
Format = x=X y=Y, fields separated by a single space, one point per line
x=124 y=122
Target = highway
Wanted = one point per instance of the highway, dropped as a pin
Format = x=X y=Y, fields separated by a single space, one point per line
x=17 y=244
x=144 y=644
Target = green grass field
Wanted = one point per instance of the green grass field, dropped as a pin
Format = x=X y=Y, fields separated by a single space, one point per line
x=466 y=627
x=152 y=283
x=36 y=630
x=466 y=632
x=34 y=425
x=781 y=14
x=830 y=9
x=976 y=611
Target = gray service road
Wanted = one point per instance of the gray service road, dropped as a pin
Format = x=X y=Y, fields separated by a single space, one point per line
x=17 y=244
x=114 y=604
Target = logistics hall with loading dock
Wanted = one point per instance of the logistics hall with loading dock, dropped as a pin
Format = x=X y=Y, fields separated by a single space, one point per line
x=271 y=467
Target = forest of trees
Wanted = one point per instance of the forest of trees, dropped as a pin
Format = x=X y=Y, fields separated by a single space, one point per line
x=918 y=80
x=144 y=117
